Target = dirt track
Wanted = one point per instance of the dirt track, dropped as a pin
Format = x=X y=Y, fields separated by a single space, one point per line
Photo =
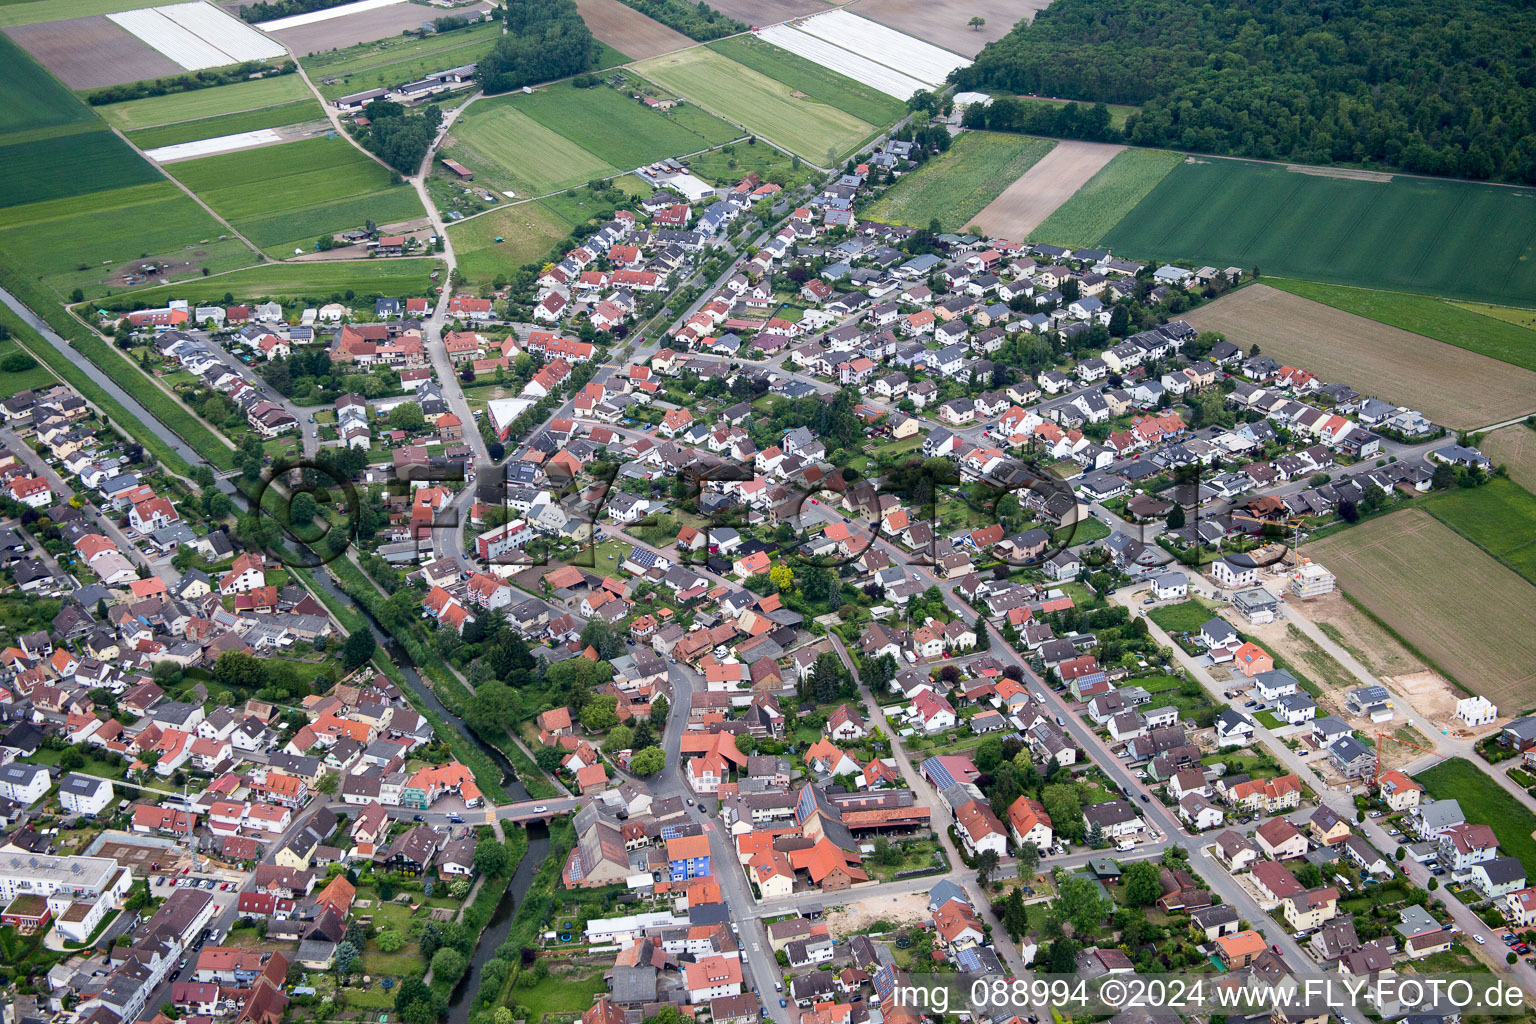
x=628 y=31
x=88 y=53
x=1451 y=386
x=944 y=22
x=1038 y=191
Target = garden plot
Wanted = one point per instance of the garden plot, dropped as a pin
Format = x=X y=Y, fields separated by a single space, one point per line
x=876 y=42
x=844 y=62
x=197 y=35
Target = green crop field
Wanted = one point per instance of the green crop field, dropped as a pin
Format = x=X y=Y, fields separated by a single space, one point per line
x=65 y=242
x=294 y=281
x=527 y=230
x=1107 y=197
x=956 y=185
x=228 y=124
x=130 y=115
x=69 y=165
x=396 y=59
x=52 y=10
x=32 y=100
x=862 y=101
x=1485 y=802
x=560 y=136
x=763 y=105
x=1455 y=324
x=1499 y=517
x=1450 y=238
x=288 y=195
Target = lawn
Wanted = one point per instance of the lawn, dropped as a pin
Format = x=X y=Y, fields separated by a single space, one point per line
x=558 y=996
x=396 y=59
x=295 y=281
x=1496 y=333
x=1484 y=802
x=862 y=101
x=1185 y=617
x=10 y=383
x=1499 y=517
x=527 y=230
x=956 y=185
x=66 y=242
x=69 y=165
x=1429 y=236
x=1107 y=197
x=227 y=124
x=561 y=136
x=130 y=115
x=32 y=100
x=729 y=164
x=291 y=194
x=761 y=104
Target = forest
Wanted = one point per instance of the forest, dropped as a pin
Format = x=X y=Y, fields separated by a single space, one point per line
x=1429 y=86
x=545 y=40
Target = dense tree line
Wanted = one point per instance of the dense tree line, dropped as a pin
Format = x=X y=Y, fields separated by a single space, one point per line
x=187 y=83
x=694 y=20
x=1431 y=86
x=1072 y=121
x=267 y=10
x=400 y=136
x=545 y=40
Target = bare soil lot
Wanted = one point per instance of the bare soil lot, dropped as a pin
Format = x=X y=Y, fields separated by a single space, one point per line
x=759 y=13
x=628 y=31
x=363 y=27
x=908 y=908
x=1036 y=194
x=88 y=53
x=1450 y=385
x=944 y=22
x=1462 y=609
x=1514 y=447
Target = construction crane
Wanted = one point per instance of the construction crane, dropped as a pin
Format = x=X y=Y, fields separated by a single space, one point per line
x=1376 y=771
x=1294 y=523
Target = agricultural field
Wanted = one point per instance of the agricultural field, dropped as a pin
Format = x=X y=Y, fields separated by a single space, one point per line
x=317 y=281
x=1105 y=199
x=1459 y=607
x=69 y=165
x=1499 y=517
x=759 y=103
x=884 y=45
x=87 y=53
x=1503 y=332
x=296 y=113
x=528 y=231
x=32 y=12
x=197 y=35
x=286 y=196
x=1451 y=386
x=1040 y=190
x=837 y=90
x=396 y=59
x=946 y=23
x=628 y=31
x=1515 y=448
x=955 y=186
x=561 y=136
x=1438 y=237
x=834 y=58
x=131 y=115
x=32 y=102
x=87 y=241
x=766 y=12
x=729 y=164
x=364 y=27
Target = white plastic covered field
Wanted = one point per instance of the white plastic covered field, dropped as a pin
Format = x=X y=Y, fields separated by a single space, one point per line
x=197 y=35
x=208 y=147
x=844 y=62
x=310 y=17
x=923 y=61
